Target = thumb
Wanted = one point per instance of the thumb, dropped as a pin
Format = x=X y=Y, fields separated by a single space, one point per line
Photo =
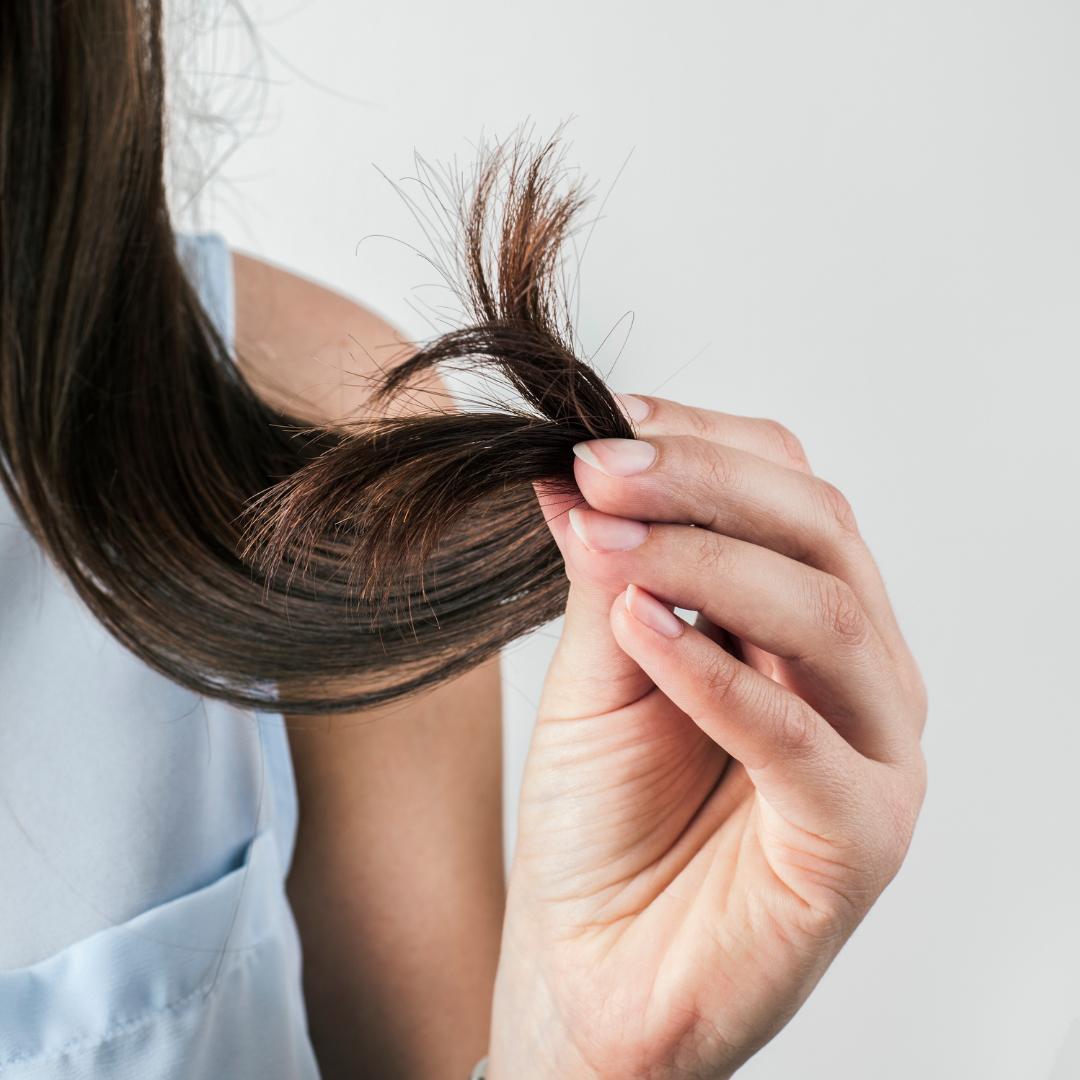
x=590 y=673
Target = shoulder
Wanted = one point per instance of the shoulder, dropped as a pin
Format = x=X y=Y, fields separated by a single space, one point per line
x=304 y=348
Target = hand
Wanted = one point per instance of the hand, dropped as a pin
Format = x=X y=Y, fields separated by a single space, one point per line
x=707 y=812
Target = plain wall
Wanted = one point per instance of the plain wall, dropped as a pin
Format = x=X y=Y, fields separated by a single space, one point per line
x=862 y=218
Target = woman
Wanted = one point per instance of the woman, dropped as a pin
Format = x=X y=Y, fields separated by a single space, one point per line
x=707 y=811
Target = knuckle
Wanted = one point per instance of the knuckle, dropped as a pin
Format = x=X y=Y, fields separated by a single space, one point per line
x=722 y=679
x=697 y=422
x=674 y=418
x=795 y=730
x=839 y=613
x=837 y=508
x=715 y=468
x=790 y=448
x=713 y=555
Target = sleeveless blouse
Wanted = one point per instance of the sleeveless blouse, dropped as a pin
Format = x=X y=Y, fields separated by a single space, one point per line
x=145 y=835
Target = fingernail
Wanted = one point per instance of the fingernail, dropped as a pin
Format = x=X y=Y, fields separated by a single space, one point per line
x=602 y=532
x=648 y=610
x=635 y=409
x=617 y=457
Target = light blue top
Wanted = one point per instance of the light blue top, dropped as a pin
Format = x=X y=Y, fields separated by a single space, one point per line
x=145 y=834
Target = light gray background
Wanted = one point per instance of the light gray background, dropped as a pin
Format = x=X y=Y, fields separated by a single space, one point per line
x=866 y=215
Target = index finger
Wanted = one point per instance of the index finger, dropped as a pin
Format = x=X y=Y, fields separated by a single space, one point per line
x=765 y=438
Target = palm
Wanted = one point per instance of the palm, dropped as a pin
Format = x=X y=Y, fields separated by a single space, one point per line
x=671 y=883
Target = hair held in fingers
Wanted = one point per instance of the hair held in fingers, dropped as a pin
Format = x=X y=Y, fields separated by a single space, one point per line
x=426 y=525
x=246 y=556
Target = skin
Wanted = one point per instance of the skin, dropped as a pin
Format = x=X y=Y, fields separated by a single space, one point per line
x=705 y=817
x=397 y=883
x=706 y=814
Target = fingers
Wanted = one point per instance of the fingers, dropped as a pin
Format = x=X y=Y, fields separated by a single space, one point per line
x=828 y=651
x=797 y=762
x=765 y=438
x=589 y=674
x=746 y=480
x=689 y=480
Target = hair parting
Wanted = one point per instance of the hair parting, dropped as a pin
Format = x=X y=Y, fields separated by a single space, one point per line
x=236 y=552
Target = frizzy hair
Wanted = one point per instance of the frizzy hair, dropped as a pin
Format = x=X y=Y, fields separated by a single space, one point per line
x=238 y=552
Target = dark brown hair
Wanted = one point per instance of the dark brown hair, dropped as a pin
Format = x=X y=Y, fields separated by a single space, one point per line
x=231 y=549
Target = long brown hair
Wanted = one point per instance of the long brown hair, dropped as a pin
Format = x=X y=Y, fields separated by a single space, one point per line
x=233 y=550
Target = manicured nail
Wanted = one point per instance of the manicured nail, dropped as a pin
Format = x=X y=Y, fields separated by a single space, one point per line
x=648 y=610
x=602 y=532
x=617 y=457
x=635 y=409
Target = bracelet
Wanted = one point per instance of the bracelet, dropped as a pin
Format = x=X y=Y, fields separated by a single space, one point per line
x=480 y=1072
